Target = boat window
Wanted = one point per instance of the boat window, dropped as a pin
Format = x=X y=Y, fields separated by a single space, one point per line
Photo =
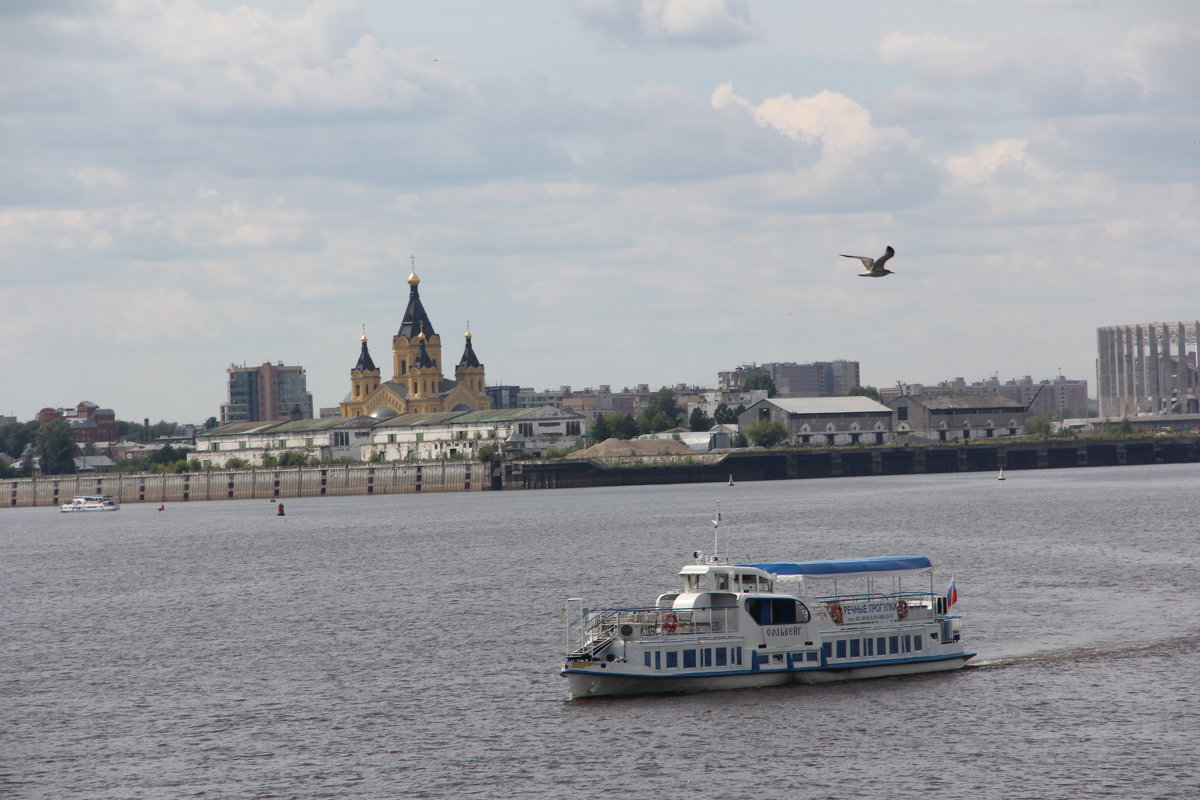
x=689 y=659
x=777 y=611
x=722 y=581
x=720 y=656
x=672 y=659
x=692 y=582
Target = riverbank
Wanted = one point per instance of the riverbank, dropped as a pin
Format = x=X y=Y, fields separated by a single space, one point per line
x=469 y=476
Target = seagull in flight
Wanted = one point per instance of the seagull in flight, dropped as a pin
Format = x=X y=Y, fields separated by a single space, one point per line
x=874 y=266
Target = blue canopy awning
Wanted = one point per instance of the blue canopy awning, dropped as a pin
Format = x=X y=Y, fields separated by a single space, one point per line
x=845 y=566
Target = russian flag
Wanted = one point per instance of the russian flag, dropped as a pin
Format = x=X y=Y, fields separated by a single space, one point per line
x=951 y=594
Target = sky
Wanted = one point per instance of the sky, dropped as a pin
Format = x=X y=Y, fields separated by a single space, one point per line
x=606 y=191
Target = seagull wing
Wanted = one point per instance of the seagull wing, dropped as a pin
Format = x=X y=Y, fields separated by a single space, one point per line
x=887 y=254
x=867 y=262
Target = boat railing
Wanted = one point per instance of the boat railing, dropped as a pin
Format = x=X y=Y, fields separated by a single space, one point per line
x=600 y=624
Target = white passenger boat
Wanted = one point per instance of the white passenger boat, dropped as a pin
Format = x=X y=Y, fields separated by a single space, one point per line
x=92 y=502
x=735 y=626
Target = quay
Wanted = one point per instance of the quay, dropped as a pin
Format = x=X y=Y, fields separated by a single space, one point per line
x=469 y=476
x=845 y=462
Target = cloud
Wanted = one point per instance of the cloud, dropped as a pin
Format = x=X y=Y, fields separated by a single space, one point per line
x=715 y=24
x=860 y=166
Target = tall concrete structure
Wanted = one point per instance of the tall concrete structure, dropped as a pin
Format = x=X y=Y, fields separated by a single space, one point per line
x=267 y=393
x=1148 y=368
x=818 y=379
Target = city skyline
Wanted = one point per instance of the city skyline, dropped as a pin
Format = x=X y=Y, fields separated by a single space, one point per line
x=608 y=192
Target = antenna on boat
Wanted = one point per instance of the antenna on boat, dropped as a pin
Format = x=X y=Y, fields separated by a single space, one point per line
x=716 y=556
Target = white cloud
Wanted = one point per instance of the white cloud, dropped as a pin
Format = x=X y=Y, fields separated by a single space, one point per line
x=671 y=23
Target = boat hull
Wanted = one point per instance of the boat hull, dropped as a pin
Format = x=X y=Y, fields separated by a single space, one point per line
x=586 y=683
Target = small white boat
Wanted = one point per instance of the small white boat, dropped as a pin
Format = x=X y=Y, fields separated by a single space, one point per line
x=1001 y=474
x=732 y=626
x=92 y=502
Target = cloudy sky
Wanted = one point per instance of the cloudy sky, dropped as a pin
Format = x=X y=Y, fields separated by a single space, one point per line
x=609 y=191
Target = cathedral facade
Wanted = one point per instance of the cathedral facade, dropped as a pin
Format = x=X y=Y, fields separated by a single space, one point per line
x=418 y=385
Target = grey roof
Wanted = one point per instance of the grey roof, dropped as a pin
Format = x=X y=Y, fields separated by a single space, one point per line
x=818 y=406
x=964 y=400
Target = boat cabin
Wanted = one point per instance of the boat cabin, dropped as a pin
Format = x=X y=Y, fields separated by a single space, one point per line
x=725 y=578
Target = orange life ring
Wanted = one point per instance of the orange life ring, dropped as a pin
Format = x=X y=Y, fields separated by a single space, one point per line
x=670 y=623
x=901 y=609
x=835 y=613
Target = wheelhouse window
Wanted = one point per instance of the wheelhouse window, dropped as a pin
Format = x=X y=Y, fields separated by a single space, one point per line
x=777 y=611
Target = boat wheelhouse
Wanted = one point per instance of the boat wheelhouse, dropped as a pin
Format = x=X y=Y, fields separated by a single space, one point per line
x=768 y=624
x=92 y=502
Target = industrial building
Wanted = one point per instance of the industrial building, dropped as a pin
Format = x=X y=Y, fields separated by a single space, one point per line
x=1148 y=369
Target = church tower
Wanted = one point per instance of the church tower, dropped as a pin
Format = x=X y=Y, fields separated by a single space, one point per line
x=364 y=379
x=469 y=372
x=405 y=345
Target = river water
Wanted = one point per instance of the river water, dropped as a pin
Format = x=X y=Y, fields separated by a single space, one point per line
x=407 y=646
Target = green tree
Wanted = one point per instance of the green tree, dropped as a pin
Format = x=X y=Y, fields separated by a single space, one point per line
x=766 y=433
x=600 y=431
x=15 y=435
x=57 y=447
x=723 y=415
x=615 y=425
x=864 y=391
x=1038 y=426
x=210 y=423
x=760 y=381
x=661 y=413
x=699 y=421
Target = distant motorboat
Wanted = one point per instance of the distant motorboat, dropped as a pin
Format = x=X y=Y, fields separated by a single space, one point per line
x=1001 y=474
x=91 y=502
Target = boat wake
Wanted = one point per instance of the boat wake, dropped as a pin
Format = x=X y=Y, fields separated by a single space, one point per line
x=1088 y=653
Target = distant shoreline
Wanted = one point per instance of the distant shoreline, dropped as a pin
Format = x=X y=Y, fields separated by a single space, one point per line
x=469 y=476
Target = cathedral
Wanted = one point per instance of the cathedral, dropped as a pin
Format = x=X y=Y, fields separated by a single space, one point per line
x=417 y=385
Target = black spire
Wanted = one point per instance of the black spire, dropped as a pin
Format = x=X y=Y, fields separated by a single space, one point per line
x=415 y=318
x=365 y=364
x=468 y=357
x=423 y=358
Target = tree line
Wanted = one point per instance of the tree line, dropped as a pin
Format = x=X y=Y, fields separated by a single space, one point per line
x=49 y=448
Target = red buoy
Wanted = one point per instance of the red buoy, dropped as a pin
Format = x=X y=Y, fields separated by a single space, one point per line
x=279 y=513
